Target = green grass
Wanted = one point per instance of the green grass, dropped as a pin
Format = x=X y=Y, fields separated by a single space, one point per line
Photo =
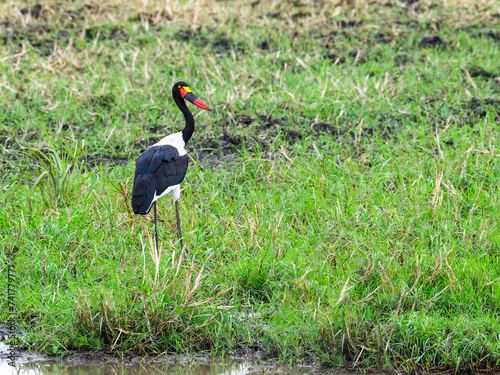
x=342 y=198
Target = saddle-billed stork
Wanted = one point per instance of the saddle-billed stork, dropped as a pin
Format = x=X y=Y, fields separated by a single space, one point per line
x=162 y=167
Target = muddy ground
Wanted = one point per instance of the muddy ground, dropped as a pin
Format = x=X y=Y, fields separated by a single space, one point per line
x=245 y=133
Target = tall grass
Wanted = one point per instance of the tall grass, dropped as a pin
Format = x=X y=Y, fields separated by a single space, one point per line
x=60 y=174
x=298 y=254
x=341 y=202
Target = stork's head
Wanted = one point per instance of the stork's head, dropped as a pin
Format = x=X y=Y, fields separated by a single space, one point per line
x=181 y=90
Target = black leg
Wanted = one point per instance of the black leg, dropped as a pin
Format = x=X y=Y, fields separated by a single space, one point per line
x=178 y=223
x=156 y=231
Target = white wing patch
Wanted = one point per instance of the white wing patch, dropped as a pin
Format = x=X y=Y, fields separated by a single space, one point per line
x=176 y=141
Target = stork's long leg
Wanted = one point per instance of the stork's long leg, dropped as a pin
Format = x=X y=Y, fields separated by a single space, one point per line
x=179 y=223
x=156 y=230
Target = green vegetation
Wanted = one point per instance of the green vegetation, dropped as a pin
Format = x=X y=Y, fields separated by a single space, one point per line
x=342 y=203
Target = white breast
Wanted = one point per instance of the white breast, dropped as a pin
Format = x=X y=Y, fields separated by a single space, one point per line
x=174 y=140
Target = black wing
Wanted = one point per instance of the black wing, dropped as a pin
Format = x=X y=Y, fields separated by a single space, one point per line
x=155 y=170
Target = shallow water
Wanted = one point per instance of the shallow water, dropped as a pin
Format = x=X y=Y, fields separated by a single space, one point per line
x=99 y=363
x=212 y=368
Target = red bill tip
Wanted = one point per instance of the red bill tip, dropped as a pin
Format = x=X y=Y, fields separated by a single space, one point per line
x=201 y=105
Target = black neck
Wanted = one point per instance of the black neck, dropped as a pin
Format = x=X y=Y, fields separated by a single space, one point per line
x=188 y=130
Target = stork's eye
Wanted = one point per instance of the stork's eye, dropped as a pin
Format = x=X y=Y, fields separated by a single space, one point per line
x=179 y=86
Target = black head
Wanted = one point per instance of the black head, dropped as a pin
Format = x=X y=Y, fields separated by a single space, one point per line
x=181 y=90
